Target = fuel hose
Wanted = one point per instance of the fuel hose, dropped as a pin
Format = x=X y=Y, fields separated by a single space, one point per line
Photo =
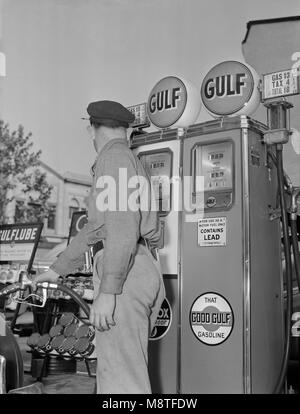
x=294 y=231
x=296 y=251
x=288 y=263
x=85 y=307
x=286 y=179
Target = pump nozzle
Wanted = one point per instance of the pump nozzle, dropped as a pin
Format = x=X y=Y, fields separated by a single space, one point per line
x=47 y=285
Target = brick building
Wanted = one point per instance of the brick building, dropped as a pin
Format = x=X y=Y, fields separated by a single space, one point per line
x=68 y=195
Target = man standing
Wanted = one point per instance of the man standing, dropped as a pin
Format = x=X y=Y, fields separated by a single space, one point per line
x=128 y=285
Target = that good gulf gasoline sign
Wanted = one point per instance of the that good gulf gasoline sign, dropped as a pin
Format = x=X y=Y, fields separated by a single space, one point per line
x=211 y=318
x=163 y=321
x=230 y=88
x=212 y=231
x=173 y=102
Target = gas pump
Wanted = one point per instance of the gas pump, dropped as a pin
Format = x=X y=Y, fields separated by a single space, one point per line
x=232 y=255
x=172 y=101
x=221 y=250
x=233 y=295
x=162 y=162
x=160 y=153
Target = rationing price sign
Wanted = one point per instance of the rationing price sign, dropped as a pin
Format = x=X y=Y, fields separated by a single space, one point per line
x=276 y=84
x=141 y=117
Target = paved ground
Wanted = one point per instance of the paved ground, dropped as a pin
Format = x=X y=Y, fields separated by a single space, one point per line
x=78 y=382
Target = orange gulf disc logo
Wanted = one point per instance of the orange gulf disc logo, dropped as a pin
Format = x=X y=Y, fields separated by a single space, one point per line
x=167 y=102
x=173 y=102
x=230 y=88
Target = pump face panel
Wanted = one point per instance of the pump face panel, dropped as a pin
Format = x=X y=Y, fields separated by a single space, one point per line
x=231 y=269
x=214 y=163
x=158 y=164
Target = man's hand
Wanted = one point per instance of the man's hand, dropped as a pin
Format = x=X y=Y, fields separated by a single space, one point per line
x=102 y=311
x=49 y=276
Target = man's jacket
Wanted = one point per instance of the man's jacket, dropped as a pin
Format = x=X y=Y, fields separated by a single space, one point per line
x=119 y=227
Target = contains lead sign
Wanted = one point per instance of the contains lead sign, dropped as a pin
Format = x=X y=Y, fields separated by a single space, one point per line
x=212 y=231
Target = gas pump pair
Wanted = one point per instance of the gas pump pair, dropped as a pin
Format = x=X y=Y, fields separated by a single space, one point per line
x=227 y=333
x=221 y=256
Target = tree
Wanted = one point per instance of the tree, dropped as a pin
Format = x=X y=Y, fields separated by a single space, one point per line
x=20 y=173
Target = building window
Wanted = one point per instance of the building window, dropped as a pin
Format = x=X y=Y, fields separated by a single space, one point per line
x=19 y=211
x=51 y=217
x=30 y=213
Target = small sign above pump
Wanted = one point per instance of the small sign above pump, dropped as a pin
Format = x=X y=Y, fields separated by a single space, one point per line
x=173 y=102
x=231 y=88
x=282 y=83
x=140 y=113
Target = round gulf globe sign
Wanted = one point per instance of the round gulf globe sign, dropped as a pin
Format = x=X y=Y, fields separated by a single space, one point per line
x=230 y=88
x=173 y=102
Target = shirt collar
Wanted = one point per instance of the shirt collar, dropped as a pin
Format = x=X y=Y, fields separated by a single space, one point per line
x=111 y=143
x=106 y=147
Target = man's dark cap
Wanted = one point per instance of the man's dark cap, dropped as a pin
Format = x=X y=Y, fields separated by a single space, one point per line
x=101 y=111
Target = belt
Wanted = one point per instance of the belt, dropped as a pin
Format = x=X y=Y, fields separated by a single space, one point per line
x=144 y=242
x=99 y=246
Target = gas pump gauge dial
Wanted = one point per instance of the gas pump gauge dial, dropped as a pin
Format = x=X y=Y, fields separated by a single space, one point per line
x=214 y=164
x=158 y=165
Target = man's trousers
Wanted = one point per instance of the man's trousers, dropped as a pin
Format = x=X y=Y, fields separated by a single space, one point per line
x=122 y=351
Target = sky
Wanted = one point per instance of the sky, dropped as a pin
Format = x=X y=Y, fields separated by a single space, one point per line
x=63 y=54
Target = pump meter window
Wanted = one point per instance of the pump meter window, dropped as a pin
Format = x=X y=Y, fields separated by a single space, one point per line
x=158 y=165
x=213 y=162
